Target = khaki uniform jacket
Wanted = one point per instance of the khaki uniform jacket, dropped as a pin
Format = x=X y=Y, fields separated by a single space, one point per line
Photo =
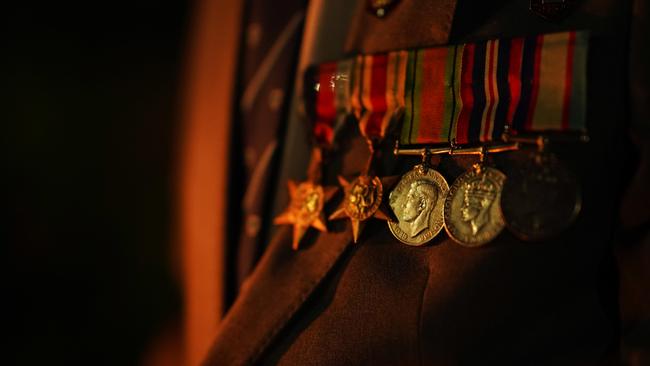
x=379 y=302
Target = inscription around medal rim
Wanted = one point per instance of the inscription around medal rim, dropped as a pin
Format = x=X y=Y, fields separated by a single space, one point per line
x=363 y=197
x=472 y=209
x=418 y=203
x=541 y=198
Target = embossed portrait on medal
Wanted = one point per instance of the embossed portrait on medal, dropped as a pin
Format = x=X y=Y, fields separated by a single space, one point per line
x=478 y=197
x=417 y=202
x=472 y=210
x=415 y=209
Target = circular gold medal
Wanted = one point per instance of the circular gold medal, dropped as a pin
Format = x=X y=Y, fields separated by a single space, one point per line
x=472 y=213
x=541 y=197
x=418 y=202
x=363 y=197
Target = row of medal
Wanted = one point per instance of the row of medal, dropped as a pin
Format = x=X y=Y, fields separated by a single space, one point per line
x=448 y=101
x=539 y=199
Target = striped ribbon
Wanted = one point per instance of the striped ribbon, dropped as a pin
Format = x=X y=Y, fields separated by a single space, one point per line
x=327 y=94
x=378 y=91
x=465 y=93
x=469 y=92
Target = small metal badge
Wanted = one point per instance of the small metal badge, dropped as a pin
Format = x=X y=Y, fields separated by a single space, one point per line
x=472 y=209
x=362 y=201
x=418 y=202
x=305 y=209
x=553 y=10
x=380 y=7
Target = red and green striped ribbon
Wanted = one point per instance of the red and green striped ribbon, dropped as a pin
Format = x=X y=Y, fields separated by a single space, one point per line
x=378 y=91
x=465 y=93
x=327 y=94
x=469 y=93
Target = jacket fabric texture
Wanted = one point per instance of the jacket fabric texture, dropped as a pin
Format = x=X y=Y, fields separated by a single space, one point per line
x=379 y=302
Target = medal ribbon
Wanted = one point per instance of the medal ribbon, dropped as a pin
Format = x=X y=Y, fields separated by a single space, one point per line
x=469 y=93
x=378 y=94
x=327 y=94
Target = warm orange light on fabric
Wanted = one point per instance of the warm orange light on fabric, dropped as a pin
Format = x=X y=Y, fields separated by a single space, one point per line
x=203 y=168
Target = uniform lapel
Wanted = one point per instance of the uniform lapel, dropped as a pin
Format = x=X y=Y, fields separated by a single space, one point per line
x=278 y=287
x=284 y=279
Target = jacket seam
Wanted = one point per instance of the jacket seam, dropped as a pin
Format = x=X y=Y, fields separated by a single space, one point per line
x=257 y=351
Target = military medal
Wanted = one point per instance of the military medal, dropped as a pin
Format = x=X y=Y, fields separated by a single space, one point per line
x=305 y=209
x=472 y=209
x=327 y=104
x=377 y=97
x=418 y=202
x=474 y=92
x=469 y=209
x=460 y=113
x=541 y=197
x=362 y=200
x=460 y=100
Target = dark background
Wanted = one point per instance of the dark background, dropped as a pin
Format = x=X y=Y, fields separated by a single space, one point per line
x=92 y=95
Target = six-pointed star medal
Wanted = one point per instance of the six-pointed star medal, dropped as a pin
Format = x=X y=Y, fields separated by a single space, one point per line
x=305 y=209
x=362 y=200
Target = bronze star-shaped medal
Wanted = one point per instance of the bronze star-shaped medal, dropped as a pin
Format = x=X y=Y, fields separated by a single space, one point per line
x=363 y=200
x=305 y=209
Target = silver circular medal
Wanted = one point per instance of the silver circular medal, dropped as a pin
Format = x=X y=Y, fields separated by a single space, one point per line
x=418 y=202
x=472 y=210
x=541 y=197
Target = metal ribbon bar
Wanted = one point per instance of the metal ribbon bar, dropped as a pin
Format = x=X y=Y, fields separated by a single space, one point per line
x=542 y=140
x=453 y=150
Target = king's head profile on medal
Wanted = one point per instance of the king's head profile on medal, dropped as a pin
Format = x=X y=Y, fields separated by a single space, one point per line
x=472 y=210
x=418 y=202
x=415 y=209
x=479 y=195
